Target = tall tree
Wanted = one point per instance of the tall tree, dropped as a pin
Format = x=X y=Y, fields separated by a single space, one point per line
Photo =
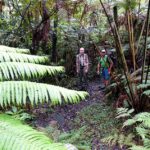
x=54 y=34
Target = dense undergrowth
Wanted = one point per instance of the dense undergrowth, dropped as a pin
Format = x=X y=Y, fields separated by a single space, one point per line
x=91 y=124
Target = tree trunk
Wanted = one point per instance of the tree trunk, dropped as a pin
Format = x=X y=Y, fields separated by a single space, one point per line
x=1 y=6
x=115 y=13
x=145 y=44
x=132 y=97
x=147 y=69
x=115 y=10
x=54 y=37
x=131 y=38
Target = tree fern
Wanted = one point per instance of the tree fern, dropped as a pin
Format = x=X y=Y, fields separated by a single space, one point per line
x=21 y=71
x=15 y=57
x=16 y=136
x=13 y=50
x=18 y=92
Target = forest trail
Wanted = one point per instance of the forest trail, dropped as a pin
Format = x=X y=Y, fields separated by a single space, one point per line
x=63 y=114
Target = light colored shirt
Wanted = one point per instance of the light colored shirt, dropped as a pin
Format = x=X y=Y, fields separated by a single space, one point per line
x=82 y=60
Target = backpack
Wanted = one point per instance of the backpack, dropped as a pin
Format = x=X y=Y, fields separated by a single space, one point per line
x=104 y=62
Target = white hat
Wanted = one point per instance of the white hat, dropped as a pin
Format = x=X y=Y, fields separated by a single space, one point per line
x=103 y=50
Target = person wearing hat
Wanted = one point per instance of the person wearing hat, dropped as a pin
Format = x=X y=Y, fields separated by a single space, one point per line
x=104 y=66
x=82 y=67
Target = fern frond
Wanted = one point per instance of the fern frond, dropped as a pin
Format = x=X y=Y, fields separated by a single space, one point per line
x=143 y=132
x=143 y=118
x=147 y=142
x=129 y=122
x=120 y=139
x=15 y=57
x=138 y=148
x=124 y=112
x=108 y=139
x=16 y=136
x=13 y=50
x=21 y=71
x=143 y=86
x=147 y=93
x=18 y=92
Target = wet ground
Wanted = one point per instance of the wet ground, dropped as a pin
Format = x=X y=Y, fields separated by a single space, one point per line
x=64 y=114
x=68 y=112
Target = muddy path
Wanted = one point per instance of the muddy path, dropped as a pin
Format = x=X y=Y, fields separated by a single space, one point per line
x=63 y=115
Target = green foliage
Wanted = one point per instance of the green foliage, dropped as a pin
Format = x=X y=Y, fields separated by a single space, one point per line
x=128 y=4
x=19 y=92
x=94 y=121
x=143 y=86
x=23 y=71
x=19 y=114
x=147 y=93
x=140 y=130
x=119 y=139
x=124 y=112
x=13 y=50
x=140 y=92
x=15 y=57
x=15 y=136
x=76 y=137
x=138 y=148
x=142 y=118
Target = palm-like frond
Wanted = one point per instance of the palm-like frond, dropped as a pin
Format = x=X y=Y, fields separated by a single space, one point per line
x=18 y=92
x=16 y=136
x=15 y=57
x=21 y=71
x=13 y=50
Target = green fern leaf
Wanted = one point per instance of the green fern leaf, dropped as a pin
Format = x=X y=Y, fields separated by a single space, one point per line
x=36 y=92
x=143 y=86
x=147 y=93
x=120 y=139
x=18 y=70
x=138 y=148
x=129 y=122
x=16 y=136
x=143 y=132
x=124 y=112
x=15 y=57
x=144 y=118
x=147 y=142
x=13 y=50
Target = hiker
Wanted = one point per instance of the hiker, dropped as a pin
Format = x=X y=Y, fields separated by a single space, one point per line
x=104 y=66
x=82 y=66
